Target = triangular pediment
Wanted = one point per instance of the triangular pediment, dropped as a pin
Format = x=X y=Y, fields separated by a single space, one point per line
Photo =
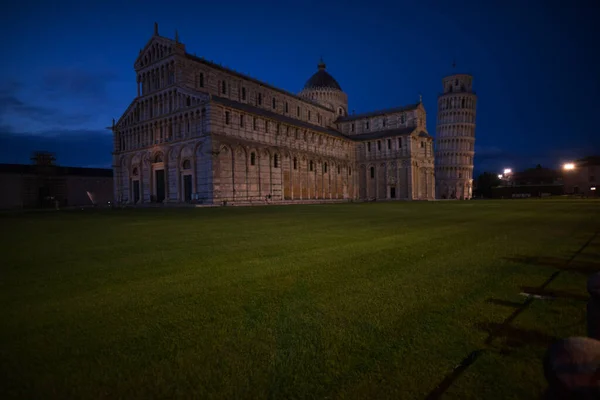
x=132 y=113
x=157 y=48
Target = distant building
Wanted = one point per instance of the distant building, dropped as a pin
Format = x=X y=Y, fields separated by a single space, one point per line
x=46 y=185
x=584 y=178
x=532 y=182
x=198 y=131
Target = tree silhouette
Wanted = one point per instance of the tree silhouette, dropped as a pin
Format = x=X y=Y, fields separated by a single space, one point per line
x=484 y=184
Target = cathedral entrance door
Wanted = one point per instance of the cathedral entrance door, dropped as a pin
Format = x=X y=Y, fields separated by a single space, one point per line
x=187 y=188
x=160 y=185
x=136 y=191
x=392 y=192
x=287 y=195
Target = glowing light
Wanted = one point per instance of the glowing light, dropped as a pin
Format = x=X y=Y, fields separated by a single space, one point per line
x=500 y=176
x=569 y=166
x=593 y=188
x=507 y=171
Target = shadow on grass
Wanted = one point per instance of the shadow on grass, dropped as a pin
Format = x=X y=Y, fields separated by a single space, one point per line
x=517 y=337
x=514 y=337
x=553 y=294
x=505 y=303
x=582 y=267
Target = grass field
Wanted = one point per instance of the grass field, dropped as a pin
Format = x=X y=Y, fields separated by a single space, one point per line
x=378 y=300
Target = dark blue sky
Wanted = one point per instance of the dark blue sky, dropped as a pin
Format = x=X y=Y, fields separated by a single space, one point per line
x=68 y=65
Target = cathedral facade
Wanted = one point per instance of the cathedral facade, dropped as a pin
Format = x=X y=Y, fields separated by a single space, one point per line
x=200 y=132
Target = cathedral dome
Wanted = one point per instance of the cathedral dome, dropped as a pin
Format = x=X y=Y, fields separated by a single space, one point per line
x=322 y=80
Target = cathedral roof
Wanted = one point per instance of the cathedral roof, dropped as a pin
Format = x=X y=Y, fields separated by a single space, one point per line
x=377 y=113
x=383 y=134
x=321 y=79
x=277 y=117
x=251 y=79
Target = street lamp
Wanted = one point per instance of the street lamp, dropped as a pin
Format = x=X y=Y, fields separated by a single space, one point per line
x=568 y=166
x=507 y=171
x=500 y=176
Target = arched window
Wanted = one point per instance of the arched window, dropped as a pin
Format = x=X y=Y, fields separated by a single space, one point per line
x=223 y=87
x=349 y=171
x=187 y=164
x=339 y=169
x=325 y=168
x=463 y=103
x=158 y=158
x=295 y=163
x=310 y=166
x=275 y=161
x=135 y=172
x=252 y=158
x=188 y=102
x=274 y=103
x=372 y=172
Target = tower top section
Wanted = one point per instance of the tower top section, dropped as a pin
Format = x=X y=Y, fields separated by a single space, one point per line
x=458 y=83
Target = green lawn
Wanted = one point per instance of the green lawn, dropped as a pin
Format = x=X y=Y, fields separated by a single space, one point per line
x=378 y=300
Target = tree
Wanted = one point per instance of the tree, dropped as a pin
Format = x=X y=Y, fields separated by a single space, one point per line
x=484 y=184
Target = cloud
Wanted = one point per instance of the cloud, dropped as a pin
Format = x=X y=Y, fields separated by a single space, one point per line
x=77 y=83
x=71 y=147
x=13 y=107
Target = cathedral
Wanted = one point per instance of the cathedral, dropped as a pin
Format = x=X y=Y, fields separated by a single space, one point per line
x=202 y=133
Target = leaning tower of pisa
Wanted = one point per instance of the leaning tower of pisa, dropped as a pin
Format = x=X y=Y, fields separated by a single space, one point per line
x=455 y=138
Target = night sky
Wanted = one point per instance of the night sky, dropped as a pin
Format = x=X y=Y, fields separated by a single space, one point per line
x=68 y=68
